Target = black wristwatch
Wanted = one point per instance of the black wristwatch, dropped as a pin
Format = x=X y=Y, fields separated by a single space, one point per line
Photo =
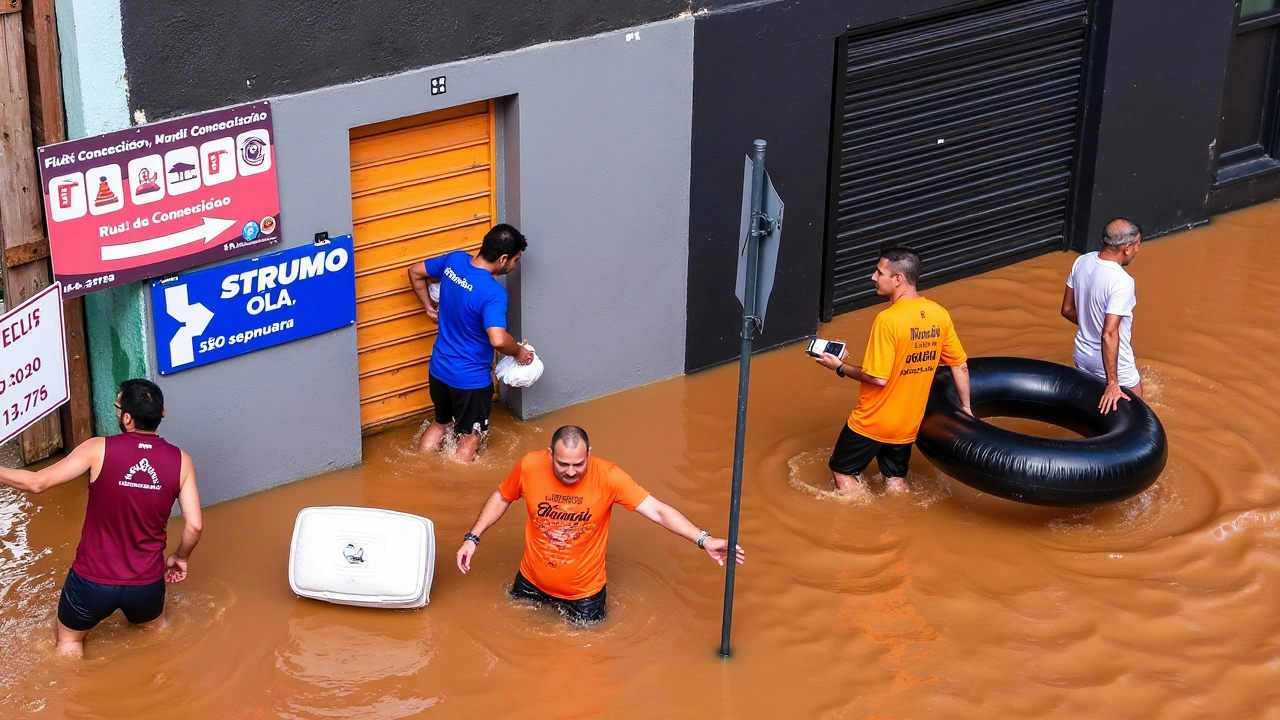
x=840 y=370
x=472 y=537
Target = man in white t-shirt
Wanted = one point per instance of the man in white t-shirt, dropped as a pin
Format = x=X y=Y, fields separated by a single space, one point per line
x=1100 y=299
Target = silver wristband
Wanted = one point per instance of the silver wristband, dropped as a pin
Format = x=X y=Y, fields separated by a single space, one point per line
x=702 y=539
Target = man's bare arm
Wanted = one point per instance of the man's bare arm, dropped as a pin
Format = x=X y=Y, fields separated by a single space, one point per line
x=1112 y=396
x=192 y=523
x=505 y=343
x=83 y=459
x=419 y=280
x=960 y=375
x=1069 y=306
x=189 y=502
x=675 y=521
x=494 y=508
x=853 y=372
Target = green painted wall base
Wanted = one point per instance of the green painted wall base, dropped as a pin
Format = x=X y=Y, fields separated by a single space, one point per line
x=117 y=348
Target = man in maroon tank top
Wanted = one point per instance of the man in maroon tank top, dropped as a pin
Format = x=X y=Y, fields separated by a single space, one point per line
x=134 y=479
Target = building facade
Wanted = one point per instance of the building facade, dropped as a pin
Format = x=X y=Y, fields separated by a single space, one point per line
x=612 y=133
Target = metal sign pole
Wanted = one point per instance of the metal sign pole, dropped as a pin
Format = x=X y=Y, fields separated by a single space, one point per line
x=749 y=322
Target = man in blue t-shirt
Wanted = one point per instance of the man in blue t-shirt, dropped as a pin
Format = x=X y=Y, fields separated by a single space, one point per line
x=472 y=313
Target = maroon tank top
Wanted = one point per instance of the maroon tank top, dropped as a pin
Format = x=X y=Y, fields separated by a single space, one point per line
x=130 y=503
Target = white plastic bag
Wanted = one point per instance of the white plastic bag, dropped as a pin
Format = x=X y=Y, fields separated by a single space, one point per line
x=433 y=290
x=513 y=374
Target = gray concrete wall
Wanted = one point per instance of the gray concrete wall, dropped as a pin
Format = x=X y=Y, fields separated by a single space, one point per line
x=596 y=138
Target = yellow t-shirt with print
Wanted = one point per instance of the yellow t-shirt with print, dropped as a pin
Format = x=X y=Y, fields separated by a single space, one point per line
x=908 y=340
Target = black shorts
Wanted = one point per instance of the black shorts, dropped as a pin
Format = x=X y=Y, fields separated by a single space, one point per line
x=586 y=611
x=468 y=410
x=854 y=452
x=84 y=603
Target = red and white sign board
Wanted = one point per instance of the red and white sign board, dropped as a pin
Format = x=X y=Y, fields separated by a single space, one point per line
x=156 y=199
x=33 y=362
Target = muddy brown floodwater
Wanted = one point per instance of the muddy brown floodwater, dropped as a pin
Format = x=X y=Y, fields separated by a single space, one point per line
x=942 y=604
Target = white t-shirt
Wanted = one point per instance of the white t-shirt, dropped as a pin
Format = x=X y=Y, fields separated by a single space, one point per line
x=1103 y=288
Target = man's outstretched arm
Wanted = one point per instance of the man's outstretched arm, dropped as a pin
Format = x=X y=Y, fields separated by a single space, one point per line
x=494 y=508
x=77 y=463
x=675 y=521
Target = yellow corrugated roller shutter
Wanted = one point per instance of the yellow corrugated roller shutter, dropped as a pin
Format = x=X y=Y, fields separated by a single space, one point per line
x=420 y=186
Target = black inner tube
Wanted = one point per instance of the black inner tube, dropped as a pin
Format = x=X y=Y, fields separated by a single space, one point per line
x=1120 y=454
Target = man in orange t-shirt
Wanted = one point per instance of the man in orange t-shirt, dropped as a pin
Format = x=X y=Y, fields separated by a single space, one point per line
x=908 y=340
x=570 y=497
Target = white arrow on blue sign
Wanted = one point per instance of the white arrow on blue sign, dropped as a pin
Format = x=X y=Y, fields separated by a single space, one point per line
x=210 y=315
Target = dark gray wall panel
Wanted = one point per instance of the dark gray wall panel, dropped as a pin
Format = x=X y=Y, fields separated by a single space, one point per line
x=187 y=56
x=765 y=71
x=1166 y=67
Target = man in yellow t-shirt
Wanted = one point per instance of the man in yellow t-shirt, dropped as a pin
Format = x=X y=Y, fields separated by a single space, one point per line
x=570 y=496
x=908 y=340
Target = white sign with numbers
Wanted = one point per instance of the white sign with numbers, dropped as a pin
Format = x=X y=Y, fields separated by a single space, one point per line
x=33 y=362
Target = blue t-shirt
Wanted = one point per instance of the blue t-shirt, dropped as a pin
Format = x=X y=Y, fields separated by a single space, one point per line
x=471 y=301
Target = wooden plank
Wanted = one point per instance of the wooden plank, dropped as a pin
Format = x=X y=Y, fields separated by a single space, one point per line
x=385 y=358
x=389 y=126
x=371 y=257
x=396 y=380
x=420 y=141
x=21 y=220
x=48 y=126
x=394 y=304
x=10 y=6
x=380 y=414
x=21 y=217
x=422 y=168
x=396 y=330
x=77 y=415
x=384 y=281
x=412 y=197
x=401 y=226
x=45 y=84
x=28 y=252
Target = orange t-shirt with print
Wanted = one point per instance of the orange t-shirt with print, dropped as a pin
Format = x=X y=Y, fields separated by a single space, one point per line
x=908 y=340
x=567 y=532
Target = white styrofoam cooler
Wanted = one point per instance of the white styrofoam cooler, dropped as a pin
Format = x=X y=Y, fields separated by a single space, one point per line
x=362 y=556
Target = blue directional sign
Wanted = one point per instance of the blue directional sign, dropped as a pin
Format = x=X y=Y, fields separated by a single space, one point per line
x=210 y=315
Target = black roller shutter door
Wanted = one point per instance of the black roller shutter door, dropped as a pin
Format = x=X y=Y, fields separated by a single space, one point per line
x=957 y=136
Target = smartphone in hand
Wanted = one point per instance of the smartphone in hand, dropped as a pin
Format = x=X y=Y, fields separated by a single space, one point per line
x=818 y=346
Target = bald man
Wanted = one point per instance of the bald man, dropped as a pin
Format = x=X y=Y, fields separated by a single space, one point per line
x=1100 y=299
x=570 y=495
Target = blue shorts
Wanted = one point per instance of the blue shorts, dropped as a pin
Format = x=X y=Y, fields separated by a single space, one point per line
x=84 y=603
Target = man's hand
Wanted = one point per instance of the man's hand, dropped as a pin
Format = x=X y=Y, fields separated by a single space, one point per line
x=1111 y=398
x=718 y=548
x=433 y=310
x=464 y=555
x=831 y=362
x=175 y=569
x=828 y=361
x=524 y=355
